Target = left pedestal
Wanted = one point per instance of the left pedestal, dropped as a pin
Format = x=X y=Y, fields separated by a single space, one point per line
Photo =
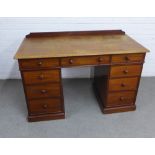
x=43 y=88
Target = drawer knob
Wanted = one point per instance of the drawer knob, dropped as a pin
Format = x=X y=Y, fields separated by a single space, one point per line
x=43 y=91
x=100 y=59
x=45 y=106
x=123 y=85
x=126 y=58
x=41 y=76
x=121 y=98
x=40 y=63
x=125 y=71
x=70 y=61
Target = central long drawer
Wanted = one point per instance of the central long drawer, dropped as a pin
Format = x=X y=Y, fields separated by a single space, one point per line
x=86 y=60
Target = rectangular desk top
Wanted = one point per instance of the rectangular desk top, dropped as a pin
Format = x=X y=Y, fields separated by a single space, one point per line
x=82 y=43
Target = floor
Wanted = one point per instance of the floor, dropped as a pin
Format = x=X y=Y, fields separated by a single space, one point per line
x=83 y=116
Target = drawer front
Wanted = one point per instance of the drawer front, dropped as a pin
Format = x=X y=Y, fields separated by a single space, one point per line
x=42 y=76
x=120 y=98
x=45 y=106
x=125 y=71
x=43 y=90
x=128 y=58
x=38 y=63
x=123 y=84
x=90 y=60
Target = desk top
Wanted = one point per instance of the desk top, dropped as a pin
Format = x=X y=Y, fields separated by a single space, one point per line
x=78 y=43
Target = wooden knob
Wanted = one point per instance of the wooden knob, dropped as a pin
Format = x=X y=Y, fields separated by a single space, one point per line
x=100 y=59
x=45 y=106
x=40 y=63
x=126 y=58
x=122 y=85
x=70 y=61
x=121 y=98
x=43 y=91
x=125 y=71
x=41 y=76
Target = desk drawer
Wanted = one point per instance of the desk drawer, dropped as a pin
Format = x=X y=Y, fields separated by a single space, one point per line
x=38 y=63
x=125 y=71
x=43 y=90
x=90 y=60
x=120 y=98
x=42 y=76
x=123 y=84
x=43 y=106
x=128 y=58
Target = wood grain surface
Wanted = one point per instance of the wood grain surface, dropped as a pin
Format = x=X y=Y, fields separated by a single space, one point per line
x=77 y=45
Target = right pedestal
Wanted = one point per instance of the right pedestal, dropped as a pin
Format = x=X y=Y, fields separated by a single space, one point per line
x=116 y=85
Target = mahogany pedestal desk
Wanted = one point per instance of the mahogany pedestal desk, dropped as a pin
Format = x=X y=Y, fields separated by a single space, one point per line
x=117 y=61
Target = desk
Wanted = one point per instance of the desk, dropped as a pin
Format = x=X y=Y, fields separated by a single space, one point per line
x=116 y=58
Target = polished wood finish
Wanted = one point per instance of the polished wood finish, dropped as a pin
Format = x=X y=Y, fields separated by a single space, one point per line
x=91 y=60
x=116 y=89
x=125 y=71
x=117 y=60
x=45 y=117
x=124 y=108
x=41 y=76
x=74 y=33
x=38 y=63
x=123 y=84
x=120 y=99
x=90 y=44
x=43 y=90
x=128 y=58
x=43 y=106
